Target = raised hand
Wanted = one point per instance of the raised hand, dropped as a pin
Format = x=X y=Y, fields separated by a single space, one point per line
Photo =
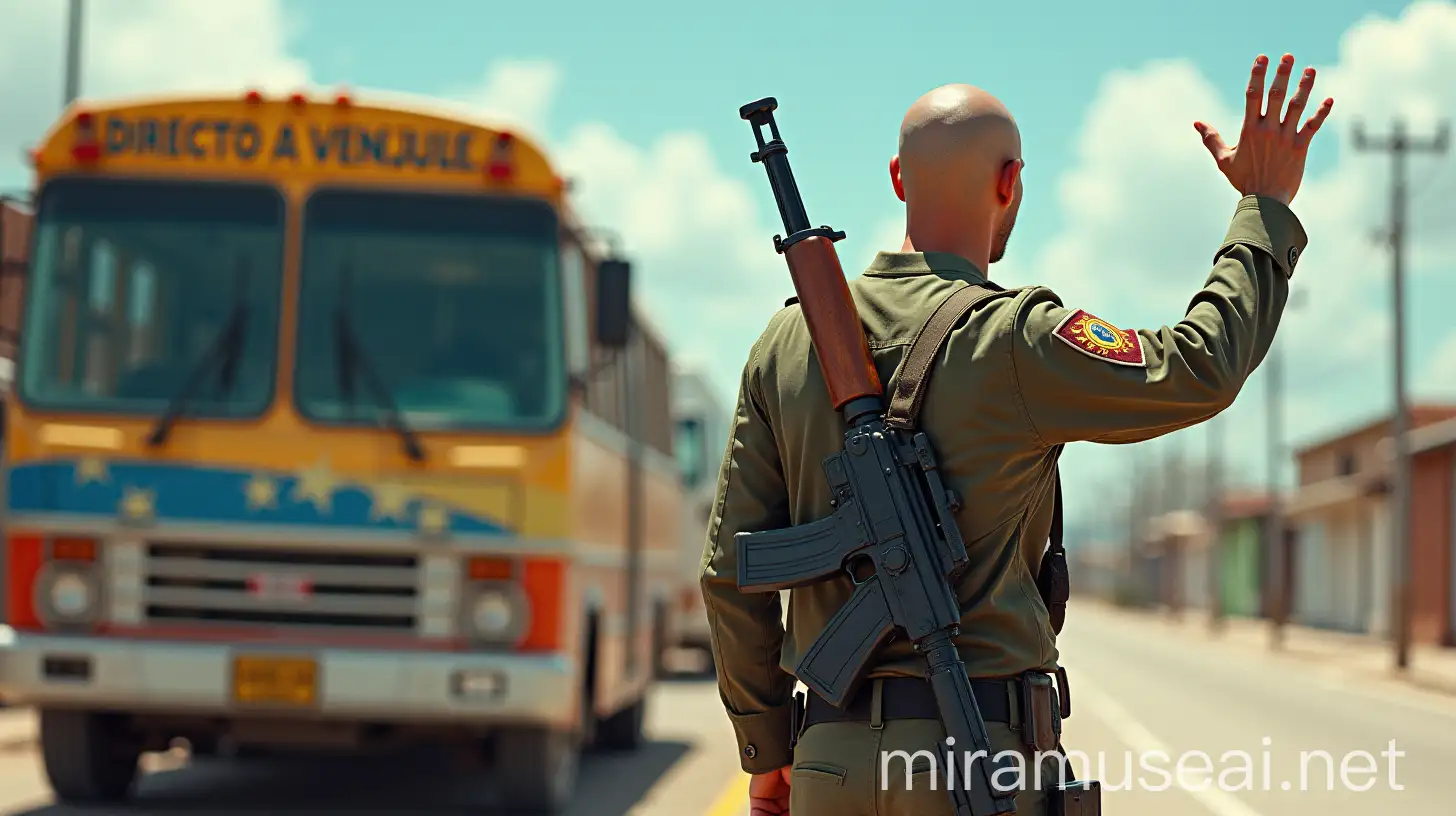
x=1269 y=157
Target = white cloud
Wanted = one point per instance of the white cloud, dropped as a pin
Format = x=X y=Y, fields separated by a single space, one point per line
x=1144 y=208
x=135 y=46
x=704 y=263
x=520 y=92
x=1439 y=376
x=705 y=266
x=707 y=270
x=888 y=236
x=177 y=45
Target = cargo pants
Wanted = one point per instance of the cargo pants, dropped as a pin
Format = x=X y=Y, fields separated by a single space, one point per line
x=866 y=769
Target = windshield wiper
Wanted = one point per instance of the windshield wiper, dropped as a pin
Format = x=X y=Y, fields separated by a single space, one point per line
x=351 y=357
x=222 y=356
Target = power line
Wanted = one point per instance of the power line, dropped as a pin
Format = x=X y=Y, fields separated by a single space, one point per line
x=1400 y=145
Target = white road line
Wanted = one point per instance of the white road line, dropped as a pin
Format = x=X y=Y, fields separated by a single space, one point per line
x=1144 y=742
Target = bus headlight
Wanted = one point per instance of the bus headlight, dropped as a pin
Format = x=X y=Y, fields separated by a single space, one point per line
x=66 y=595
x=497 y=614
x=70 y=595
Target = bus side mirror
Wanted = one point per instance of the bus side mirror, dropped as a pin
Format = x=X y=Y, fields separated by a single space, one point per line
x=614 y=303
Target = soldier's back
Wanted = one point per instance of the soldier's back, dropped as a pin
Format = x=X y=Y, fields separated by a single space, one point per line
x=990 y=455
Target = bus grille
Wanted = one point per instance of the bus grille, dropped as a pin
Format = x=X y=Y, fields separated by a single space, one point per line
x=272 y=587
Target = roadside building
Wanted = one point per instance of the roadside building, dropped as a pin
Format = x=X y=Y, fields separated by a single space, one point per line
x=1245 y=560
x=1433 y=533
x=1175 y=556
x=1343 y=550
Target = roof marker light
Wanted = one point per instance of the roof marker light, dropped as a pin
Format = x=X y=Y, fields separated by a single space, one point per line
x=86 y=149
x=500 y=168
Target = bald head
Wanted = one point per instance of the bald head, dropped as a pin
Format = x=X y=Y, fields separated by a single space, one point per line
x=958 y=172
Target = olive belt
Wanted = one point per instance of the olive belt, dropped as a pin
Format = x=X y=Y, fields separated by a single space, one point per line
x=1014 y=701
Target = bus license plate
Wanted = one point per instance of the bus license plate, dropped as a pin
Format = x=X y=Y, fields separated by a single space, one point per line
x=289 y=681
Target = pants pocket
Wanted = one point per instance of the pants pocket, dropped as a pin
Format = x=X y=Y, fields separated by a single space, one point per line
x=820 y=772
x=821 y=788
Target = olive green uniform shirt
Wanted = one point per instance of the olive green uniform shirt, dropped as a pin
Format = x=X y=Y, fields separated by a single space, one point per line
x=1019 y=378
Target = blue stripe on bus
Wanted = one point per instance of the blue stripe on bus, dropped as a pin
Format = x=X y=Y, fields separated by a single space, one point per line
x=203 y=494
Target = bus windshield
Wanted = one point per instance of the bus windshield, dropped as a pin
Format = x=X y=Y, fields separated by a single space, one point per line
x=446 y=307
x=135 y=284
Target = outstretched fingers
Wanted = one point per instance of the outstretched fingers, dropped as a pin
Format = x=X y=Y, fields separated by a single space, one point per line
x=1254 y=96
x=1298 y=103
x=1278 y=88
x=1212 y=140
x=1312 y=124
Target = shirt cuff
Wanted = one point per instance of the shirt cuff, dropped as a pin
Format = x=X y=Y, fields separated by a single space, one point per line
x=1268 y=225
x=763 y=739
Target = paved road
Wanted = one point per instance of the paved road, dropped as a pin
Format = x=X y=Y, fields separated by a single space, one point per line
x=1143 y=696
x=1146 y=697
x=684 y=768
x=1138 y=687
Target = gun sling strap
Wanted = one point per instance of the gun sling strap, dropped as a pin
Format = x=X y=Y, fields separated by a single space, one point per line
x=902 y=698
x=907 y=395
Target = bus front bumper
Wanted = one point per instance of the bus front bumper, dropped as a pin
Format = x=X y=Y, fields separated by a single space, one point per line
x=405 y=686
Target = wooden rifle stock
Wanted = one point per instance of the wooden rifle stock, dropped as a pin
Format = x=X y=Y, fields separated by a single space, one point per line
x=839 y=340
x=829 y=310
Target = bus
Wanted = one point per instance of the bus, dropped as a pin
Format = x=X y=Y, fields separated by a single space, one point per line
x=15 y=218
x=333 y=426
x=701 y=428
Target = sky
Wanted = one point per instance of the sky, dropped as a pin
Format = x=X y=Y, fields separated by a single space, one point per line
x=638 y=102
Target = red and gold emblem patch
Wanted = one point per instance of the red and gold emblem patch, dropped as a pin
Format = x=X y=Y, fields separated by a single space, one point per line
x=1097 y=338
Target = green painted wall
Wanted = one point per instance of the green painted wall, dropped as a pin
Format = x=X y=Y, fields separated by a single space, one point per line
x=1241 y=574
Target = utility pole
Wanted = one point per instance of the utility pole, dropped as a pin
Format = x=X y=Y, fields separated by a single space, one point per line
x=1399 y=144
x=1274 y=537
x=73 y=50
x=1274 y=519
x=1175 y=541
x=1134 y=576
x=1213 y=513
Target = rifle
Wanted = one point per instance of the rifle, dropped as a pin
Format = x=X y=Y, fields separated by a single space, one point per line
x=892 y=528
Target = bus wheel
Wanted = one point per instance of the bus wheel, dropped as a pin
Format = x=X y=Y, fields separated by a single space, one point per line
x=536 y=769
x=659 y=642
x=89 y=757
x=623 y=731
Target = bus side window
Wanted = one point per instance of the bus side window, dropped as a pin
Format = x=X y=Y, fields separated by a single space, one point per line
x=573 y=289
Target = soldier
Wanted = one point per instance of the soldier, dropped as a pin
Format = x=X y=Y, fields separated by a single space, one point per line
x=1021 y=377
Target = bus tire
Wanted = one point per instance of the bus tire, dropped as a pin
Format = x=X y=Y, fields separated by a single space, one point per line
x=205 y=747
x=587 y=731
x=659 y=642
x=537 y=769
x=89 y=757
x=623 y=731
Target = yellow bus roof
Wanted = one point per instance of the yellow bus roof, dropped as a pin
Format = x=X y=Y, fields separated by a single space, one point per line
x=379 y=139
x=147 y=144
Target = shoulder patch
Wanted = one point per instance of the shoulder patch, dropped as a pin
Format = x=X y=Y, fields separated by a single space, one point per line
x=1096 y=337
